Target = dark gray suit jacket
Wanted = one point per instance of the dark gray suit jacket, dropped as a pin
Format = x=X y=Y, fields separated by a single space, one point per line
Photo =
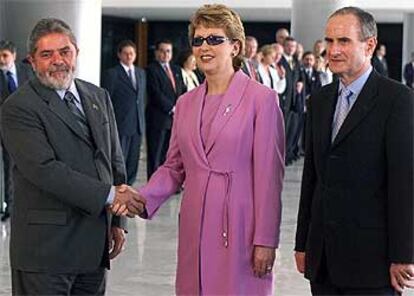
x=128 y=102
x=24 y=73
x=59 y=221
x=357 y=201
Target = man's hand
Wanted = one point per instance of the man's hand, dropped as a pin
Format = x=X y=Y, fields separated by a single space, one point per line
x=116 y=241
x=281 y=71
x=127 y=202
x=402 y=275
x=299 y=87
x=300 y=261
x=263 y=260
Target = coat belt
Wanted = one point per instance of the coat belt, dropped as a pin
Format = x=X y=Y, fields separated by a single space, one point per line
x=225 y=216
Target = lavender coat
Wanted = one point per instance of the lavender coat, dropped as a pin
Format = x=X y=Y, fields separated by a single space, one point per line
x=232 y=188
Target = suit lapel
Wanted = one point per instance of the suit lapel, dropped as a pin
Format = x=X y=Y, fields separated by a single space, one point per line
x=93 y=112
x=166 y=78
x=124 y=76
x=198 y=102
x=58 y=107
x=326 y=111
x=363 y=104
x=228 y=106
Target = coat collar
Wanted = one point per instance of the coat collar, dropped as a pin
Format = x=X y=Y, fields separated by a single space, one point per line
x=365 y=101
x=230 y=102
x=58 y=107
x=125 y=77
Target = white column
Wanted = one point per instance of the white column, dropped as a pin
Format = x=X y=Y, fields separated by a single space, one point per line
x=83 y=16
x=408 y=38
x=309 y=18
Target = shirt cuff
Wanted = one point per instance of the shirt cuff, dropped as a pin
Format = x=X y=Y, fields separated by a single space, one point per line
x=111 y=196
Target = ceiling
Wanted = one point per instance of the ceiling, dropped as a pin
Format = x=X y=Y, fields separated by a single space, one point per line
x=266 y=10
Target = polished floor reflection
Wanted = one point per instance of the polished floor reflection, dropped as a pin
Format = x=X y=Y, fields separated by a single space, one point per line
x=147 y=265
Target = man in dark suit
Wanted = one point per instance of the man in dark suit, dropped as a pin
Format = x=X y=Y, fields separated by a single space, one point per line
x=126 y=85
x=378 y=60
x=68 y=172
x=12 y=75
x=409 y=72
x=164 y=85
x=249 y=64
x=312 y=82
x=355 y=231
x=292 y=98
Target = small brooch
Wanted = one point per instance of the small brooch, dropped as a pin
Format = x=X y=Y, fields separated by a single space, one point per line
x=227 y=110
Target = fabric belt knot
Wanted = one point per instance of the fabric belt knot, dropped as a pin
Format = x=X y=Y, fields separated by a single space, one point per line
x=225 y=220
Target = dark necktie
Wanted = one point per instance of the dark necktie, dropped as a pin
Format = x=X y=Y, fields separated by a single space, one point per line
x=132 y=78
x=69 y=99
x=11 y=84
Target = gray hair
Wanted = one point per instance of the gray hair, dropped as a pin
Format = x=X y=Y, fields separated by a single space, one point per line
x=48 y=26
x=368 y=26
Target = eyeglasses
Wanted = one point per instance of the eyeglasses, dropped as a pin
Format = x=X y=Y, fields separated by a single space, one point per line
x=211 y=40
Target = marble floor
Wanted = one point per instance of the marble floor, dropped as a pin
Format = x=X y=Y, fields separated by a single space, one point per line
x=147 y=265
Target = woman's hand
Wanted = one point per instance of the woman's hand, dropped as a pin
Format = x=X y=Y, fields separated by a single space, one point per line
x=263 y=260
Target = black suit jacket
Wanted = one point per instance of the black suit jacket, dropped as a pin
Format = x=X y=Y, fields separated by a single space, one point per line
x=409 y=74
x=312 y=83
x=380 y=66
x=59 y=221
x=24 y=73
x=128 y=102
x=161 y=95
x=356 y=201
x=292 y=77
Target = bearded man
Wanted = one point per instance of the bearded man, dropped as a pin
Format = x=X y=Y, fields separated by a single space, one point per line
x=62 y=136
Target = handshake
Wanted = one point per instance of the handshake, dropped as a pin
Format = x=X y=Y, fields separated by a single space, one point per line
x=127 y=202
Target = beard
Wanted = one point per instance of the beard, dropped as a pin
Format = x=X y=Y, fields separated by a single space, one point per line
x=62 y=82
x=5 y=67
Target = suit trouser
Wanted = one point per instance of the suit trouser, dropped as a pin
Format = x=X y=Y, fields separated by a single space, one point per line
x=131 y=148
x=324 y=286
x=8 y=180
x=158 y=141
x=293 y=120
x=39 y=283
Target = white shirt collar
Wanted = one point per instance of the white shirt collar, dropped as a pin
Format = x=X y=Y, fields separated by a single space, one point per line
x=12 y=69
x=126 y=68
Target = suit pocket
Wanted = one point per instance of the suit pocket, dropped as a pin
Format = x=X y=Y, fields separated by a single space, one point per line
x=52 y=217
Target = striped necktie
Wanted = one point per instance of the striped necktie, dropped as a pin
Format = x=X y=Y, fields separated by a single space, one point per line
x=69 y=99
x=342 y=110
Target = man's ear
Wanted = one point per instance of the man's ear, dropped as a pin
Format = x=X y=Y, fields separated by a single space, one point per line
x=371 y=45
x=30 y=59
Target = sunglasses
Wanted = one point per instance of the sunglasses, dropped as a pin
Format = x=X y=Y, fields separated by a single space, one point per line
x=211 y=40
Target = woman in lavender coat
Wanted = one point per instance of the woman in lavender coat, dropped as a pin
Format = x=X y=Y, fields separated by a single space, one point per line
x=227 y=148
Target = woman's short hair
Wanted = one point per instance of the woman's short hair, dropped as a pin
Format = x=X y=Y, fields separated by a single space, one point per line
x=220 y=16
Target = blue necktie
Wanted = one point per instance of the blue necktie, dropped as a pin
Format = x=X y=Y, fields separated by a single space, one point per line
x=11 y=84
x=342 y=111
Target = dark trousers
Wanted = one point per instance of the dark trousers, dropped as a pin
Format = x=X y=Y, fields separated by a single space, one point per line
x=293 y=129
x=158 y=141
x=131 y=148
x=8 y=180
x=39 y=283
x=324 y=286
